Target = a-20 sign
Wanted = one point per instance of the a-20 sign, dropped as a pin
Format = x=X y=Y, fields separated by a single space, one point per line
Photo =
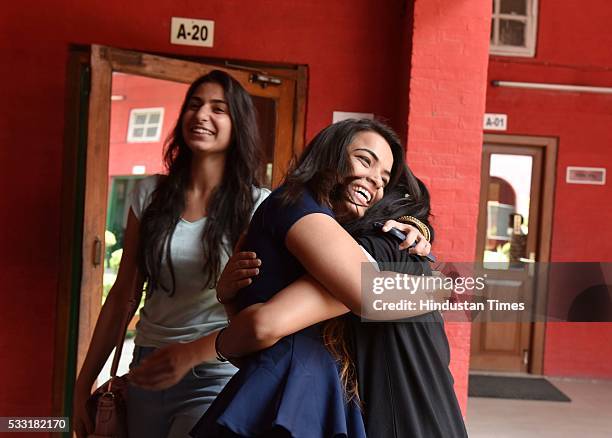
x=192 y=32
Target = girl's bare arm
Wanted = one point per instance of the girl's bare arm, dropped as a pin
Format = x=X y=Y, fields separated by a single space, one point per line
x=127 y=285
x=326 y=250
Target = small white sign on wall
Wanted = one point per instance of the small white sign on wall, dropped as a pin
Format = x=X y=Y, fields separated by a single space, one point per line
x=495 y=122
x=338 y=116
x=192 y=32
x=586 y=175
x=139 y=169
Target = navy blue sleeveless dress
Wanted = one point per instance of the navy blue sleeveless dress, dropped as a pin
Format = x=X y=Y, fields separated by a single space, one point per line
x=291 y=389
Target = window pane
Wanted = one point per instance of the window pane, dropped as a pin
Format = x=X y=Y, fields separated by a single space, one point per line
x=514 y=7
x=512 y=33
x=266 y=121
x=154 y=118
x=508 y=202
x=138 y=132
x=140 y=119
x=152 y=131
x=492 y=30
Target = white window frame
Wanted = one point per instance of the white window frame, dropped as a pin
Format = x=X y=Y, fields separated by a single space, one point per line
x=132 y=125
x=531 y=21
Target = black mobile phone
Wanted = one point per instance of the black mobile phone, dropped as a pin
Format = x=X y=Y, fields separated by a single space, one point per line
x=400 y=237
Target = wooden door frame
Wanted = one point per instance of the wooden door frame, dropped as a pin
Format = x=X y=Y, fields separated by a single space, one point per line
x=100 y=62
x=549 y=146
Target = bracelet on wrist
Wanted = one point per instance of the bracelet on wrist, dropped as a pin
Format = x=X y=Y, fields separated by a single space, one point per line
x=423 y=229
x=220 y=356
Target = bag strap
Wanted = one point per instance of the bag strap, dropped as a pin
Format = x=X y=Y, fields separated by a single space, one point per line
x=127 y=317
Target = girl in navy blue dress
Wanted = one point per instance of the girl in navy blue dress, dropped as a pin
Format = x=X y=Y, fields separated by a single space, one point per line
x=293 y=388
x=398 y=370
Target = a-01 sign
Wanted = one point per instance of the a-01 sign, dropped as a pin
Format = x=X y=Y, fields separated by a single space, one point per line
x=192 y=32
x=495 y=122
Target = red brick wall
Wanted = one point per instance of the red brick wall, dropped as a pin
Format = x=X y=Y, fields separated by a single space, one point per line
x=572 y=48
x=447 y=98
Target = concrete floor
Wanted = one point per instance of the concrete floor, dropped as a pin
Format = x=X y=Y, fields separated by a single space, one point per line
x=588 y=415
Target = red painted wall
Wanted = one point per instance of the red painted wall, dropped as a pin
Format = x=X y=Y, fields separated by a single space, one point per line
x=353 y=53
x=447 y=100
x=572 y=48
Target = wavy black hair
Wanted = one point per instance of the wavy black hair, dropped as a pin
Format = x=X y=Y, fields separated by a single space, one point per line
x=324 y=166
x=231 y=203
x=409 y=197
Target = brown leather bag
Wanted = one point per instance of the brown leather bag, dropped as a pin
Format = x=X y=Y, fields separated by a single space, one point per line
x=107 y=406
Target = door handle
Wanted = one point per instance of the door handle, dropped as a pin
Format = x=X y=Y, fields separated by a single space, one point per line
x=97 y=252
x=264 y=80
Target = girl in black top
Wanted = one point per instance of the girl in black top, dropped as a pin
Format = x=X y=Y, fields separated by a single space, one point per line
x=401 y=368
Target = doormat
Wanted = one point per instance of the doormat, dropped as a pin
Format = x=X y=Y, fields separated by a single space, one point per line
x=521 y=388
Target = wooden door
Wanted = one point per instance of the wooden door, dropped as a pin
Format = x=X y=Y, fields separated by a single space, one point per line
x=279 y=96
x=508 y=236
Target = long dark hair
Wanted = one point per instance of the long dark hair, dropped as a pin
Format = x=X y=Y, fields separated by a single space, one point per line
x=409 y=197
x=230 y=204
x=324 y=165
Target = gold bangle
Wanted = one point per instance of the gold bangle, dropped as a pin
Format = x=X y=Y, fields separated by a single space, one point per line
x=424 y=230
